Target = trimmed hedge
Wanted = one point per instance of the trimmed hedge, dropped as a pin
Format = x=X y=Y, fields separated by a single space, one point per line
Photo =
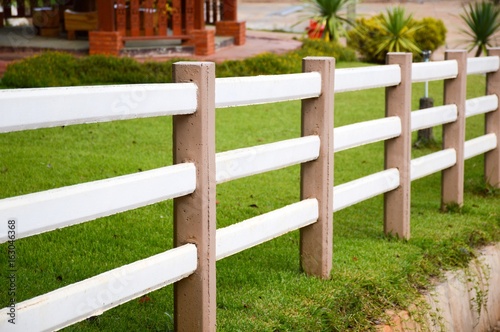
x=50 y=69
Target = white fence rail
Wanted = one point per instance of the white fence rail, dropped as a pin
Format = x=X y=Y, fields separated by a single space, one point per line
x=251 y=232
x=192 y=266
x=235 y=164
x=352 y=79
x=243 y=91
x=433 y=116
x=359 y=190
x=433 y=71
x=361 y=133
x=48 y=210
x=76 y=105
x=91 y=297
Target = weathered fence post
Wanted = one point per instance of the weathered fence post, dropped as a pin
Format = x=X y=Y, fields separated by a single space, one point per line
x=452 y=186
x=398 y=149
x=316 y=240
x=194 y=215
x=492 y=126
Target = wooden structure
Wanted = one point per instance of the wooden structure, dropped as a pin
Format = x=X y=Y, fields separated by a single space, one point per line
x=116 y=21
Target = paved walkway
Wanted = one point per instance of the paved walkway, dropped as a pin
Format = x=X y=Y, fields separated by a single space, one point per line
x=286 y=16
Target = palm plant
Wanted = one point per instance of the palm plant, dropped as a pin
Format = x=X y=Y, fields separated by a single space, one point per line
x=482 y=20
x=397 y=32
x=326 y=13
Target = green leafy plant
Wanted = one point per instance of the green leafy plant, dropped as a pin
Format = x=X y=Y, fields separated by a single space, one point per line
x=482 y=20
x=430 y=36
x=374 y=37
x=399 y=30
x=326 y=14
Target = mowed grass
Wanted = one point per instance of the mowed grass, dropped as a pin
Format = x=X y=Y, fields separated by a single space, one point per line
x=263 y=288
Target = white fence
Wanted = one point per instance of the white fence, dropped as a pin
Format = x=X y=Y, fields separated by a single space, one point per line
x=191 y=181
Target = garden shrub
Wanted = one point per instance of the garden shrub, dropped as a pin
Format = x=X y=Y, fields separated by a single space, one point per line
x=46 y=70
x=262 y=64
x=430 y=36
x=319 y=47
x=365 y=38
x=291 y=62
x=51 y=69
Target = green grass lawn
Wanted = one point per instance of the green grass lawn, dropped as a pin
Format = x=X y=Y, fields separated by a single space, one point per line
x=261 y=289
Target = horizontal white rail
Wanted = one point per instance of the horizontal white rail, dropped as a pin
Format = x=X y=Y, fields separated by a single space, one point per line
x=434 y=116
x=361 y=189
x=479 y=145
x=482 y=65
x=257 y=230
x=433 y=71
x=235 y=164
x=240 y=91
x=91 y=297
x=56 y=208
x=432 y=163
x=50 y=107
x=352 y=79
x=481 y=105
x=361 y=133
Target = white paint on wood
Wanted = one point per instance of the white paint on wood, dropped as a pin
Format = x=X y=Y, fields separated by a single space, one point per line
x=434 y=70
x=481 y=105
x=479 y=145
x=432 y=163
x=434 y=116
x=352 y=79
x=235 y=164
x=50 y=107
x=361 y=133
x=240 y=91
x=91 y=297
x=359 y=190
x=56 y=208
x=251 y=232
x=482 y=65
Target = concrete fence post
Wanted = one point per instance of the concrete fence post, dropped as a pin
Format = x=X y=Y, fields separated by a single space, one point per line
x=492 y=126
x=452 y=180
x=194 y=215
x=398 y=150
x=316 y=240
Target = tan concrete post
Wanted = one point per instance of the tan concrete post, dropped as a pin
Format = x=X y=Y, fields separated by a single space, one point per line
x=452 y=180
x=492 y=126
x=398 y=150
x=194 y=215
x=316 y=240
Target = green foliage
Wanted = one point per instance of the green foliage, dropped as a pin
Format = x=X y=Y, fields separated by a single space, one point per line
x=482 y=20
x=431 y=34
x=374 y=37
x=267 y=63
x=327 y=14
x=364 y=38
x=62 y=69
x=51 y=69
x=270 y=64
x=318 y=47
x=398 y=31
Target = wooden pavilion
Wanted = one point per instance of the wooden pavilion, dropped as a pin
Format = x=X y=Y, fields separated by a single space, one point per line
x=110 y=23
